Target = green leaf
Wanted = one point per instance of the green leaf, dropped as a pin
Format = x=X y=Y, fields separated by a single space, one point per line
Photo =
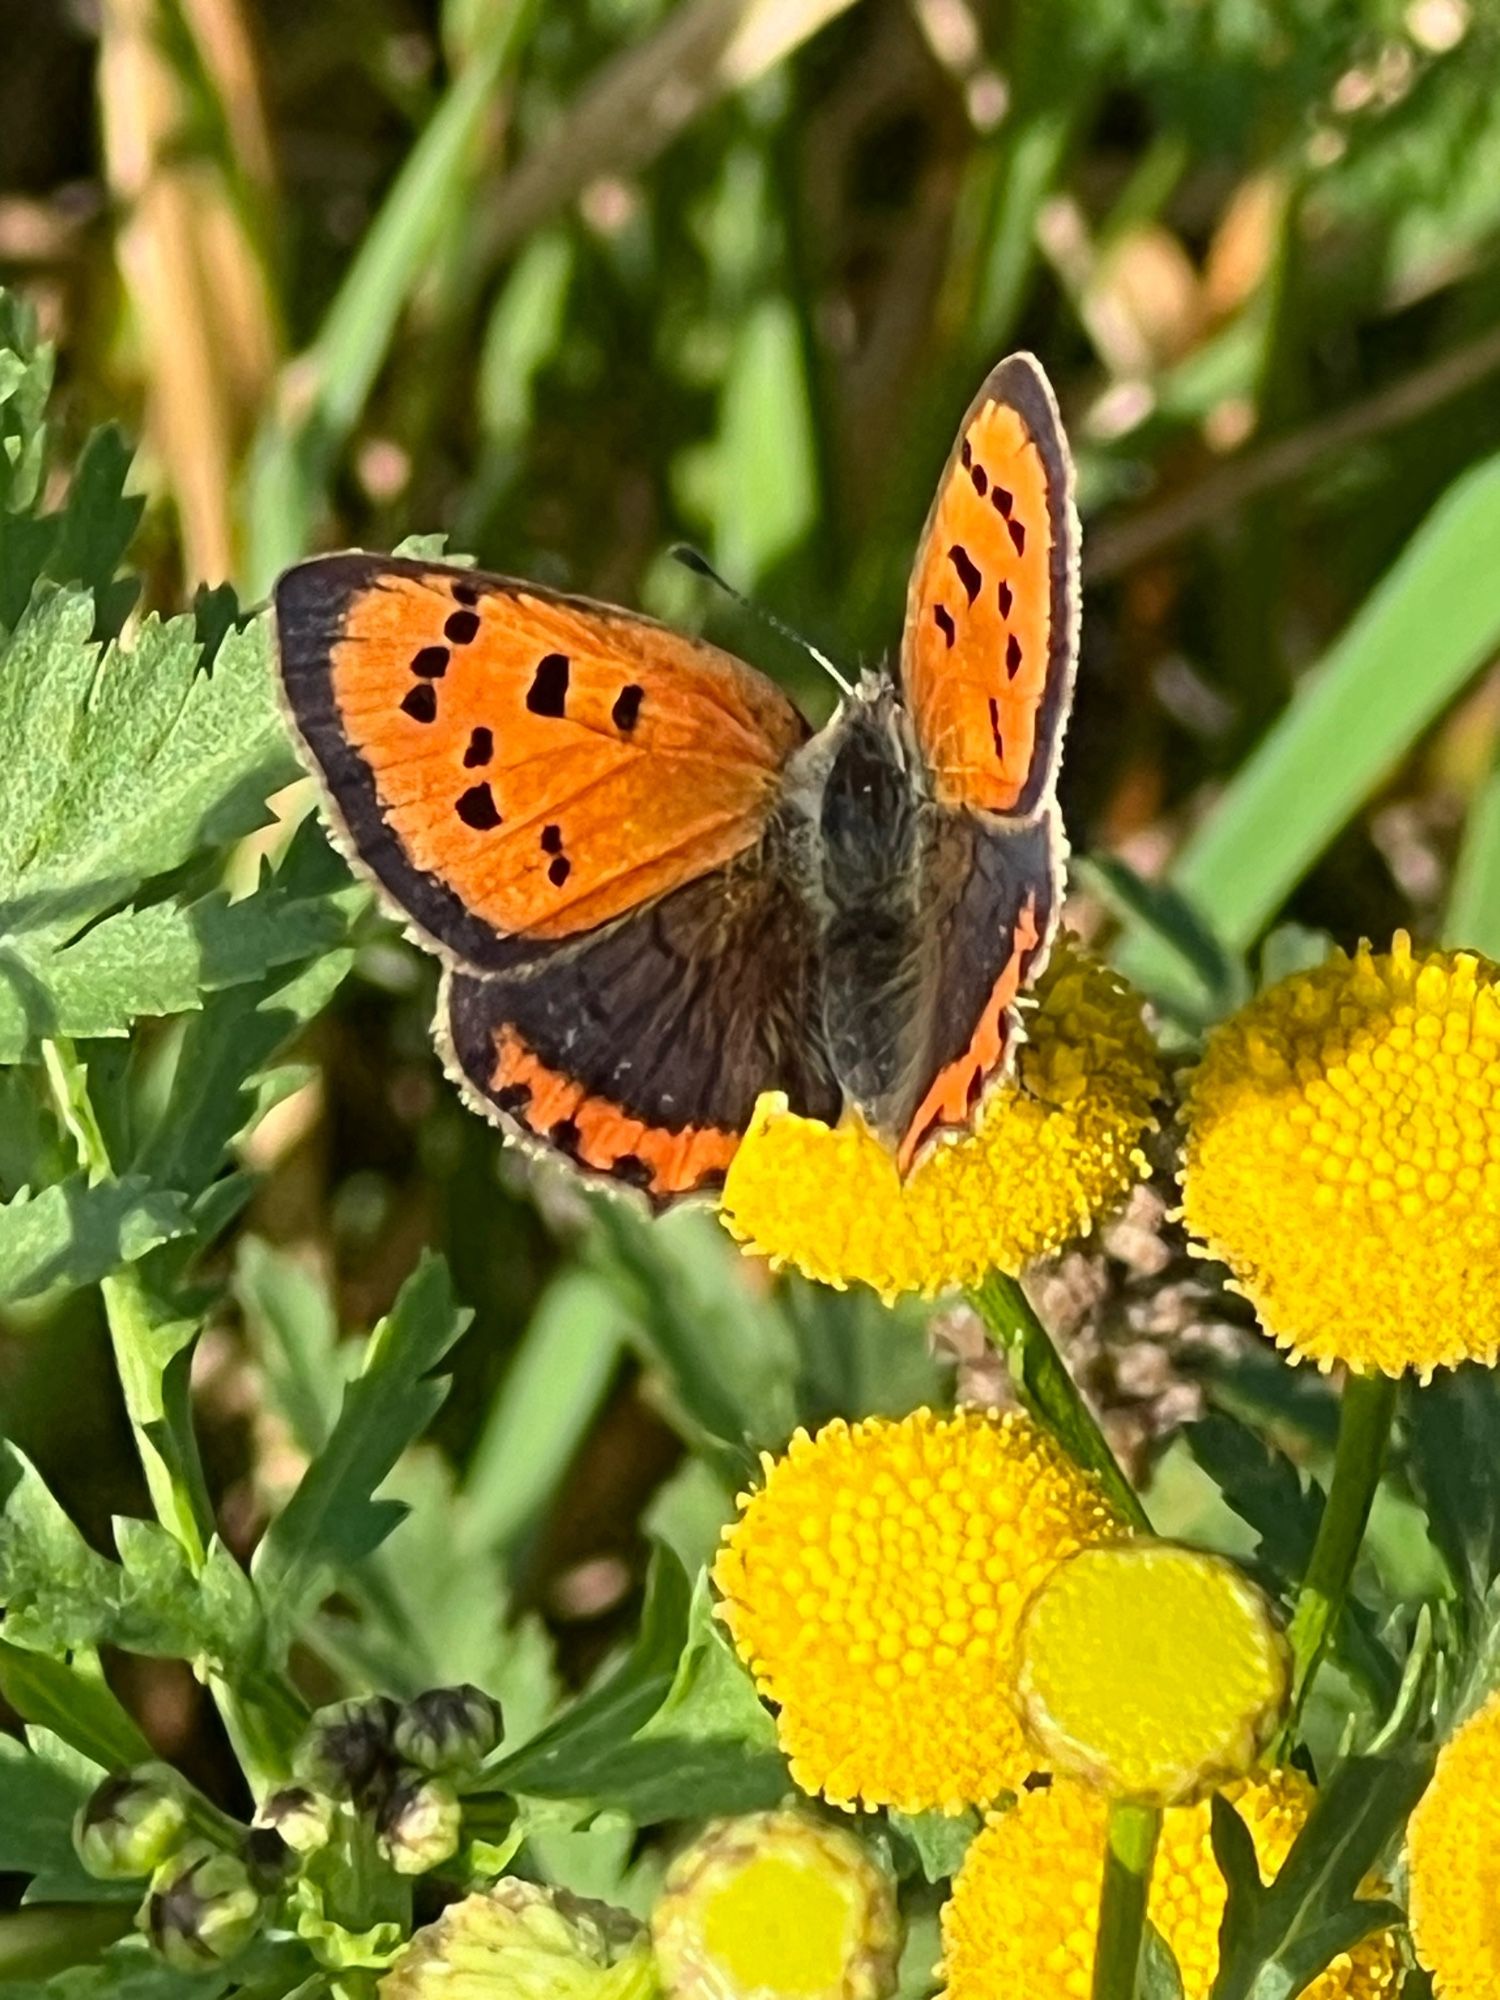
x=1196 y=975
x=160 y=960
x=74 y=1234
x=656 y=1746
x=1473 y=917
x=334 y=1519
x=1277 y=1938
x=294 y=1334
x=128 y=1970
x=215 y=1084
x=42 y=1785
x=939 y=1840
x=52 y=1584
x=1425 y=630
x=1453 y=1438
x=73 y=1700
x=1160 y=1977
x=556 y=1764
x=124 y=765
x=553 y=1390
x=727 y=1358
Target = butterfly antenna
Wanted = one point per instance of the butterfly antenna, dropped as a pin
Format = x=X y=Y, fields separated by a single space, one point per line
x=690 y=558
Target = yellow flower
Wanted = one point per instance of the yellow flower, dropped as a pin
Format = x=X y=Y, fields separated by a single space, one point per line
x=1453 y=1852
x=1056 y=1143
x=776 y=1906
x=1343 y=1158
x=1152 y=1672
x=1021 y=1921
x=873 y=1585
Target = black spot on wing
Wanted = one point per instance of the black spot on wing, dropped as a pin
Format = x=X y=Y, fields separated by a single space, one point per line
x=552 y=842
x=1002 y=500
x=420 y=702
x=1018 y=536
x=1007 y=598
x=565 y=1135
x=513 y=1098
x=461 y=626
x=465 y=593
x=995 y=729
x=548 y=693
x=476 y=807
x=980 y=478
x=942 y=617
x=967 y=570
x=431 y=663
x=1012 y=656
x=627 y=709
x=558 y=870
x=481 y=748
x=632 y=1169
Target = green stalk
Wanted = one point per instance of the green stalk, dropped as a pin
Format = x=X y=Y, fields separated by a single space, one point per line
x=1049 y=1392
x=148 y=1352
x=1365 y=1412
x=1133 y=1833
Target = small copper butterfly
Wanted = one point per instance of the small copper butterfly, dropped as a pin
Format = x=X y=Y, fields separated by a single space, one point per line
x=654 y=891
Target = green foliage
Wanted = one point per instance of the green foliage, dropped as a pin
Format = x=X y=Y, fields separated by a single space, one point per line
x=576 y=282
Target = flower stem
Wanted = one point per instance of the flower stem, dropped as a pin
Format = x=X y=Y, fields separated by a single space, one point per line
x=1365 y=1412
x=1049 y=1391
x=1131 y=1849
x=149 y=1345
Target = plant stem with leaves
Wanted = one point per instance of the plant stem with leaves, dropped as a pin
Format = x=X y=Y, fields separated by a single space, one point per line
x=1049 y=1392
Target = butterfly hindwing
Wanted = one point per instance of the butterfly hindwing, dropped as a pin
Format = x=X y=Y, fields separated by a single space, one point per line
x=514 y=767
x=991 y=637
x=638 y=1052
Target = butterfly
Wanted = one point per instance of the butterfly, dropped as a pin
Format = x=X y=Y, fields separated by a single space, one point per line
x=656 y=893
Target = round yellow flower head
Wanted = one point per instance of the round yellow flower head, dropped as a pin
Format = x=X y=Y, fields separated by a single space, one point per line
x=1022 y=1919
x=1343 y=1158
x=1056 y=1143
x=873 y=1584
x=776 y=1906
x=1152 y=1672
x=1453 y=1853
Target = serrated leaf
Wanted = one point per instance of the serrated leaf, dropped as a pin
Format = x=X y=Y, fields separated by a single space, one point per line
x=214 y=1092
x=294 y=1334
x=1453 y=1435
x=334 y=1518
x=552 y=1764
x=1271 y=1937
x=159 y=960
x=74 y=1234
x=121 y=766
x=51 y=1581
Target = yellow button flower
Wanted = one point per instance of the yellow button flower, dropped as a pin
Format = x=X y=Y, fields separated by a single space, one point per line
x=1453 y=1853
x=776 y=1906
x=1343 y=1158
x=1057 y=1143
x=1152 y=1672
x=1021 y=1921
x=873 y=1584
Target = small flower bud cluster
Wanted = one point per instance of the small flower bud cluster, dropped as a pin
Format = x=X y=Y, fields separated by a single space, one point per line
x=212 y=1881
x=399 y=1764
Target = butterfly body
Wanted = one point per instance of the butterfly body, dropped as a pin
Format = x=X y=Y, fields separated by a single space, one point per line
x=657 y=894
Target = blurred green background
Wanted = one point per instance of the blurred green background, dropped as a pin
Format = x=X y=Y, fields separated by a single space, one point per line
x=573 y=282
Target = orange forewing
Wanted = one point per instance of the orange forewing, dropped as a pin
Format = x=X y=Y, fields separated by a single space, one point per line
x=990 y=639
x=552 y=762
